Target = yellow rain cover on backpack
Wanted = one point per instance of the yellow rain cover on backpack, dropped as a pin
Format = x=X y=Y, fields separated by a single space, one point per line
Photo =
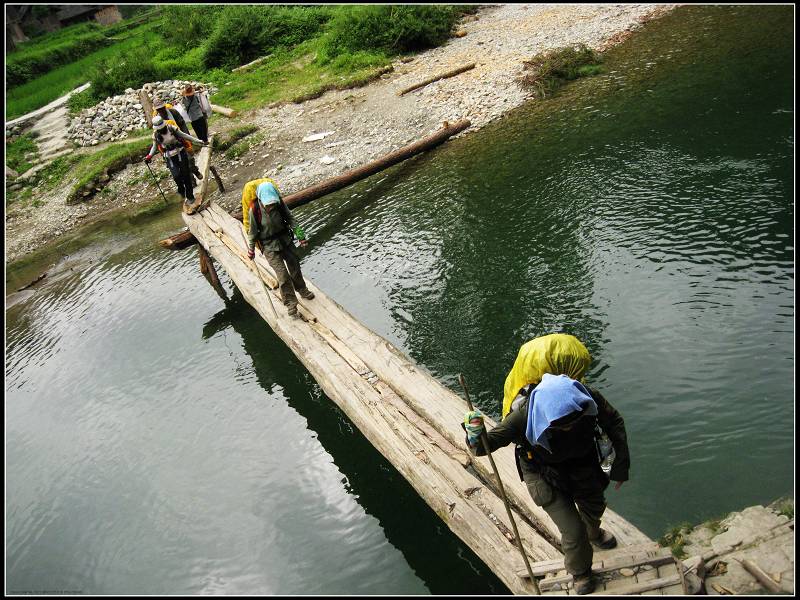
x=248 y=195
x=557 y=354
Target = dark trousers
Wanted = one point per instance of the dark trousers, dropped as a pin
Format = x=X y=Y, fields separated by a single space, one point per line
x=290 y=278
x=181 y=172
x=577 y=519
x=200 y=127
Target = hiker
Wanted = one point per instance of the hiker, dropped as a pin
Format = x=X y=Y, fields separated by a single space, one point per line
x=172 y=116
x=267 y=219
x=196 y=111
x=551 y=416
x=171 y=142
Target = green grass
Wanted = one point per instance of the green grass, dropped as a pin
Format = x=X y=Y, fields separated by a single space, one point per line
x=785 y=507
x=90 y=168
x=310 y=54
x=675 y=540
x=16 y=151
x=43 y=90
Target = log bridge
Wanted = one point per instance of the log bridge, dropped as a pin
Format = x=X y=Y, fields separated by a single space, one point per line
x=407 y=415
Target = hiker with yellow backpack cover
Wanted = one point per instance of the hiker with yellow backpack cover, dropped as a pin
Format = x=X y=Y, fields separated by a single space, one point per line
x=552 y=417
x=266 y=219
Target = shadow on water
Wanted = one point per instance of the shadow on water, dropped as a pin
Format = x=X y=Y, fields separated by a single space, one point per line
x=410 y=525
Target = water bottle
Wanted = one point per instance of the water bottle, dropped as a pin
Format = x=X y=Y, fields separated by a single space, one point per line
x=607 y=452
x=300 y=235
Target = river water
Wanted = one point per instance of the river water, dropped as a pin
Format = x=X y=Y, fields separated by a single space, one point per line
x=162 y=440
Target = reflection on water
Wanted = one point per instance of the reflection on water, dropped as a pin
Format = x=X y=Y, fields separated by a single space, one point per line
x=160 y=439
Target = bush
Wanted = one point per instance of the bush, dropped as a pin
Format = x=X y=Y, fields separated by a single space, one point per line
x=548 y=70
x=393 y=29
x=111 y=76
x=188 y=26
x=244 y=33
x=77 y=102
x=31 y=64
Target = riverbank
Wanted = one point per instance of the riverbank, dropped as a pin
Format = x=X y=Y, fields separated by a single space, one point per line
x=361 y=124
x=715 y=551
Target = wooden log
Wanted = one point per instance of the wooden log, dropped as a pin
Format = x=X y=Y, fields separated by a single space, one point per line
x=476 y=517
x=228 y=112
x=431 y=464
x=210 y=273
x=185 y=239
x=251 y=64
x=217 y=178
x=451 y=73
x=770 y=584
x=147 y=107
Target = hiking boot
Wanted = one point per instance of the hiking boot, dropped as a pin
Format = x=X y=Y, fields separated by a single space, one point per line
x=584 y=583
x=605 y=541
x=307 y=294
x=292 y=310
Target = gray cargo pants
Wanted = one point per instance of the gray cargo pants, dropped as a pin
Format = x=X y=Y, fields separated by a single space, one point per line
x=286 y=265
x=577 y=524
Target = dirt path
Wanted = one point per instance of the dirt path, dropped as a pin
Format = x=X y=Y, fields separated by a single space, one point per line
x=370 y=121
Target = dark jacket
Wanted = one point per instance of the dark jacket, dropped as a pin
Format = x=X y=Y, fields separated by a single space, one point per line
x=573 y=465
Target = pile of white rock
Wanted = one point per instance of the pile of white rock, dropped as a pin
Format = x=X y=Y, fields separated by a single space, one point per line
x=116 y=117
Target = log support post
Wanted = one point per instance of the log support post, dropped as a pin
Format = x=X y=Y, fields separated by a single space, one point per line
x=207 y=269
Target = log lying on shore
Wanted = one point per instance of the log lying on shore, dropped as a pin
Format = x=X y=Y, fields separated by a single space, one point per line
x=251 y=64
x=185 y=238
x=228 y=112
x=445 y=75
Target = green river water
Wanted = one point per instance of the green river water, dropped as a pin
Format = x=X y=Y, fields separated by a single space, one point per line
x=160 y=440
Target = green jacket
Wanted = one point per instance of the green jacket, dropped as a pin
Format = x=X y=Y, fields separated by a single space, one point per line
x=573 y=464
x=274 y=231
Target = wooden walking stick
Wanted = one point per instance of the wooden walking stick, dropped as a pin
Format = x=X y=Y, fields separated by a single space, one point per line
x=485 y=441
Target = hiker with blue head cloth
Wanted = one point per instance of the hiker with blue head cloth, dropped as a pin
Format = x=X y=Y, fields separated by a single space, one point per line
x=555 y=422
x=268 y=221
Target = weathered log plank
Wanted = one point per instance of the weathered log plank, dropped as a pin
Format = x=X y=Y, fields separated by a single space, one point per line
x=184 y=239
x=228 y=112
x=438 y=477
x=445 y=75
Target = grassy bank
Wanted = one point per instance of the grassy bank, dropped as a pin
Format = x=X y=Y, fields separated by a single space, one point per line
x=311 y=49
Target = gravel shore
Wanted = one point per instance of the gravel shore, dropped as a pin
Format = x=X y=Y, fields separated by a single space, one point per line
x=365 y=123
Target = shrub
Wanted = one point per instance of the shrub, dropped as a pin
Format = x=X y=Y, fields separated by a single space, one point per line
x=548 y=70
x=77 y=102
x=244 y=33
x=394 y=29
x=111 y=76
x=188 y=26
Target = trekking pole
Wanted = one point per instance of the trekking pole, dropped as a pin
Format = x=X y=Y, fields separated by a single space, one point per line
x=156 y=180
x=485 y=440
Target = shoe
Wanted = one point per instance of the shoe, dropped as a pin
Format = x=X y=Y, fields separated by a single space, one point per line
x=292 y=310
x=584 y=584
x=605 y=541
x=307 y=294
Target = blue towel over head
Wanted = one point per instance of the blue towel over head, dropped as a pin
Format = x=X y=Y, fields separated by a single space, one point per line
x=556 y=396
x=267 y=193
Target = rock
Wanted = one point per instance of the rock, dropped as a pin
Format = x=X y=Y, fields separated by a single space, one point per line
x=327 y=160
x=11 y=173
x=626 y=572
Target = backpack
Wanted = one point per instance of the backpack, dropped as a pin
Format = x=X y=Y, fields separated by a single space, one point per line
x=205 y=104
